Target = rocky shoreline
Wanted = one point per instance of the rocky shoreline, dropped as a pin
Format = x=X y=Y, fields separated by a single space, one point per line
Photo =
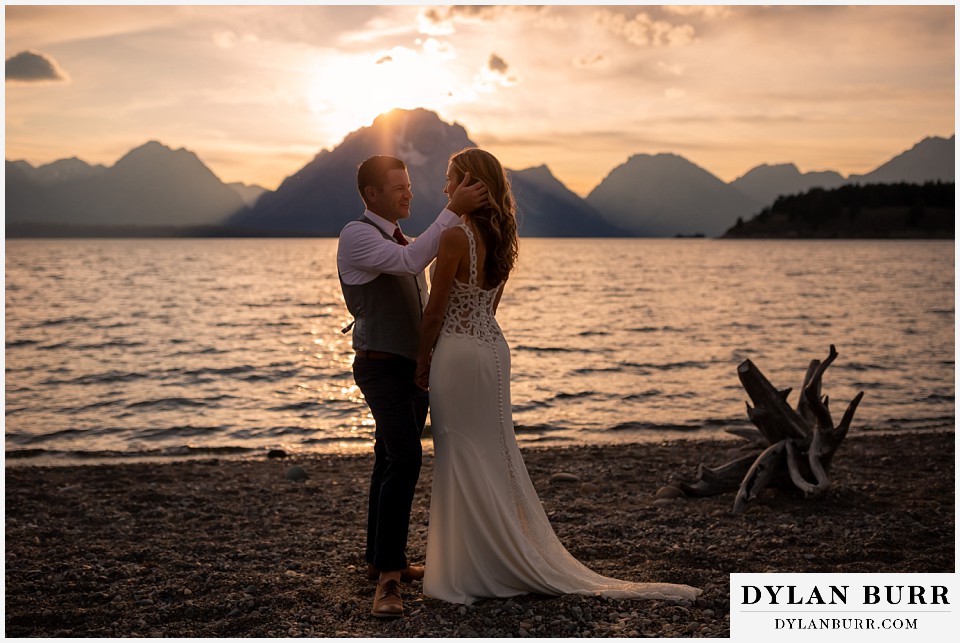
x=231 y=548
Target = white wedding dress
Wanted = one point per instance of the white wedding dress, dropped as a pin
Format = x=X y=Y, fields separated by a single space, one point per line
x=489 y=535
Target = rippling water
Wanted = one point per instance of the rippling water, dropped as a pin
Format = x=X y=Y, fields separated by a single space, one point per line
x=122 y=348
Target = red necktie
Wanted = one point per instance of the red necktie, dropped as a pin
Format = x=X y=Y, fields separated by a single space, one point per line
x=399 y=237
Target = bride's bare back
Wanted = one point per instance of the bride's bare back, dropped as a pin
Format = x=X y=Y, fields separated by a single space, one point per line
x=463 y=264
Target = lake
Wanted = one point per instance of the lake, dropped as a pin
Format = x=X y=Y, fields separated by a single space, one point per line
x=130 y=348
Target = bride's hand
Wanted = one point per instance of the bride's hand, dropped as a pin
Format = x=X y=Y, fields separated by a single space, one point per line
x=422 y=375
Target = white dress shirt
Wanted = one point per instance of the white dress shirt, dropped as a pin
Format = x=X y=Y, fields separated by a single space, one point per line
x=363 y=254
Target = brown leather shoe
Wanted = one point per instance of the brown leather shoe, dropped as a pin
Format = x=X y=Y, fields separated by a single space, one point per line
x=387 y=602
x=408 y=575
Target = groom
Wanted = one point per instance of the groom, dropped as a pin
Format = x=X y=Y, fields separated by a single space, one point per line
x=381 y=275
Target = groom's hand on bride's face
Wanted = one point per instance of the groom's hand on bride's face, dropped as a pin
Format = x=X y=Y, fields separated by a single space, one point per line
x=466 y=198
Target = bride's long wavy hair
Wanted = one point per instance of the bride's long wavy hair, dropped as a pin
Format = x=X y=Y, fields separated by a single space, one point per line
x=497 y=220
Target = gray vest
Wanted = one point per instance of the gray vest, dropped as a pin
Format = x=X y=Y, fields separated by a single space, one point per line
x=386 y=311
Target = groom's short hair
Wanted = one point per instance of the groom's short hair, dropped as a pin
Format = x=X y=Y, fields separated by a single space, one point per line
x=373 y=172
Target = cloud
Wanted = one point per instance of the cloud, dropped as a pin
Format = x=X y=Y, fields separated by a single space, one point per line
x=65 y=21
x=670 y=70
x=495 y=72
x=494 y=75
x=34 y=67
x=439 y=50
x=706 y=11
x=488 y=12
x=440 y=21
x=435 y=23
x=497 y=64
x=229 y=39
x=644 y=31
x=590 y=62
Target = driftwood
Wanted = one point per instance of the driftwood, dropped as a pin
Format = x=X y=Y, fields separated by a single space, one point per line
x=795 y=447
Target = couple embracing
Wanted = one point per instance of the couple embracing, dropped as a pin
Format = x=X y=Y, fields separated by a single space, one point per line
x=488 y=534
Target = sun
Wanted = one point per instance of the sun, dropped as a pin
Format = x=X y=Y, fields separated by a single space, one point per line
x=349 y=92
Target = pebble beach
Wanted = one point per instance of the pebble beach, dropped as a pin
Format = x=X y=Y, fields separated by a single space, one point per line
x=273 y=547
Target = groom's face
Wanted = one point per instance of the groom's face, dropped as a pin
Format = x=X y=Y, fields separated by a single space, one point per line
x=393 y=201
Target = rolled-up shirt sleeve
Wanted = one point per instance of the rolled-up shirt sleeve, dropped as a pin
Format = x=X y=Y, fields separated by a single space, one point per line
x=363 y=253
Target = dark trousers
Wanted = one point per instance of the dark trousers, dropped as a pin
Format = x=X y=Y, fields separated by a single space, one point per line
x=399 y=408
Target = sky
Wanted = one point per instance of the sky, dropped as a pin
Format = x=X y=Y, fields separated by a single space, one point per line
x=257 y=91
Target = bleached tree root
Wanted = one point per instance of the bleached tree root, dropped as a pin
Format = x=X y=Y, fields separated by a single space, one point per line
x=791 y=447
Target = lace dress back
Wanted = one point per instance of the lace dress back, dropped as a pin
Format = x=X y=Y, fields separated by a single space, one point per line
x=470 y=308
x=488 y=533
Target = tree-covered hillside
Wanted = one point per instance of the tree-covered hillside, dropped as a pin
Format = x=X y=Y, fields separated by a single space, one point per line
x=875 y=211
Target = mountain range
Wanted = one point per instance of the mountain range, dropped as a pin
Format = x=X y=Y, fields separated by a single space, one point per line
x=665 y=195
x=152 y=185
x=648 y=195
x=322 y=197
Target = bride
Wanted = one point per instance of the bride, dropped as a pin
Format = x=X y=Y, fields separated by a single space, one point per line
x=488 y=533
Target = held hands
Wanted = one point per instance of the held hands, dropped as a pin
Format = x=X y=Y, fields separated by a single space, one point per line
x=422 y=375
x=467 y=198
